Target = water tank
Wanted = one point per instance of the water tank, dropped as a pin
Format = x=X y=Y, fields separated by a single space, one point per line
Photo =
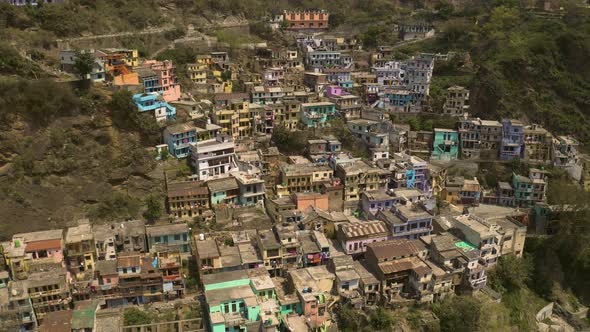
x=202 y=237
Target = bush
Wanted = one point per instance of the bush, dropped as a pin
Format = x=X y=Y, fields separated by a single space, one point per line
x=135 y=316
x=458 y=314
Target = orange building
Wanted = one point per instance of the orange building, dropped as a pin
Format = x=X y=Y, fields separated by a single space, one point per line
x=297 y=20
x=307 y=199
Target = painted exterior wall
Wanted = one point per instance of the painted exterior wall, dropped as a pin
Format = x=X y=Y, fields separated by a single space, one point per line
x=316 y=115
x=150 y=103
x=445 y=145
x=512 y=140
x=180 y=240
x=360 y=245
x=178 y=143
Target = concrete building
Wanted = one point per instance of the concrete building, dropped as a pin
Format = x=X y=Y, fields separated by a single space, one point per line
x=479 y=139
x=445 y=145
x=153 y=103
x=178 y=138
x=252 y=188
x=457 y=101
x=407 y=221
x=306 y=20
x=316 y=115
x=512 y=139
x=187 y=199
x=80 y=251
x=354 y=237
x=538 y=144
x=172 y=238
x=213 y=158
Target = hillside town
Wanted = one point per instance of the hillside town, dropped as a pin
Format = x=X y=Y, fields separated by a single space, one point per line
x=264 y=235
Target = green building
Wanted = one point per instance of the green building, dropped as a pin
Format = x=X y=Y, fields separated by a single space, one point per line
x=445 y=144
x=523 y=190
x=242 y=301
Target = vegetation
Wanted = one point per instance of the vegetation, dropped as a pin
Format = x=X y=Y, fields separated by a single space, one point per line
x=135 y=316
x=83 y=64
x=459 y=313
x=154 y=208
x=126 y=117
x=289 y=142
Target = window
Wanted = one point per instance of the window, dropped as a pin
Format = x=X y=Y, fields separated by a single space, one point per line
x=176 y=237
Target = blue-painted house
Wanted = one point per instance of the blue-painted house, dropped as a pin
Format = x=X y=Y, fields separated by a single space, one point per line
x=315 y=115
x=178 y=138
x=153 y=102
x=397 y=100
x=512 y=139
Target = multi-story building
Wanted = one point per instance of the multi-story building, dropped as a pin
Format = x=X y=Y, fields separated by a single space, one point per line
x=316 y=115
x=374 y=201
x=168 y=238
x=397 y=100
x=224 y=191
x=115 y=238
x=389 y=73
x=457 y=101
x=370 y=132
x=410 y=172
x=323 y=59
x=418 y=74
x=197 y=72
x=138 y=279
x=339 y=76
x=348 y=106
x=168 y=83
x=272 y=252
x=493 y=236
x=29 y=252
x=359 y=177
x=16 y=310
x=399 y=266
x=420 y=143
x=153 y=103
x=538 y=144
x=530 y=190
x=266 y=95
x=407 y=221
x=459 y=190
x=479 y=139
x=313 y=286
x=48 y=291
x=149 y=79
x=306 y=20
x=213 y=158
x=445 y=145
x=354 y=237
x=565 y=151
x=228 y=120
x=302 y=178
x=187 y=199
x=178 y=138
x=251 y=188
x=512 y=139
x=80 y=251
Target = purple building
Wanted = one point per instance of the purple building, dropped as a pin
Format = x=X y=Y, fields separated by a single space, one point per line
x=512 y=140
x=407 y=221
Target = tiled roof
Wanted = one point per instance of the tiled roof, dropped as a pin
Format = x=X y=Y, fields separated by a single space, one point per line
x=187 y=188
x=361 y=229
x=43 y=245
x=222 y=184
x=395 y=248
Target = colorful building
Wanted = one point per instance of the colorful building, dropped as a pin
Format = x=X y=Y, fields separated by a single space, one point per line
x=315 y=115
x=306 y=20
x=178 y=138
x=152 y=102
x=445 y=145
x=168 y=82
x=512 y=139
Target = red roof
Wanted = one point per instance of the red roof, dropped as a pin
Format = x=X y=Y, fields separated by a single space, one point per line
x=43 y=245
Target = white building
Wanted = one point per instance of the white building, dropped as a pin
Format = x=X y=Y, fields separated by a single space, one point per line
x=213 y=158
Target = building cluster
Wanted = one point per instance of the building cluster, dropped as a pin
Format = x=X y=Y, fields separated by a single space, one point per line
x=334 y=227
x=108 y=265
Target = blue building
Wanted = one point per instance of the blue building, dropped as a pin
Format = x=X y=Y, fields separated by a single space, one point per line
x=397 y=100
x=150 y=79
x=512 y=140
x=178 y=138
x=407 y=221
x=153 y=102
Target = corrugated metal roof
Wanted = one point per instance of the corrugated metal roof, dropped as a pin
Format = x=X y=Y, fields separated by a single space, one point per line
x=362 y=229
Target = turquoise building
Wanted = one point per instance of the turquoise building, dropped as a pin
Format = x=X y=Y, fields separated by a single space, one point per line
x=523 y=190
x=154 y=103
x=445 y=144
x=315 y=115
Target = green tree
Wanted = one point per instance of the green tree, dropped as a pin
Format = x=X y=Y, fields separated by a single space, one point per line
x=83 y=64
x=135 y=316
x=510 y=273
x=291 y=142
x=380 y=319
x=154 y=208
x=350 y=319
x=459 y=314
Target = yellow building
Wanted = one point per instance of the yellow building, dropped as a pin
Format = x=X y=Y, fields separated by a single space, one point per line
x=197 y=72
x=205 y=59
x=80 y=251
x=303 y=177
x=228 y=120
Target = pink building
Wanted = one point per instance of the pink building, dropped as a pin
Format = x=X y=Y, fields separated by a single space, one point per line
x=335 y=91
x=168 y=80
